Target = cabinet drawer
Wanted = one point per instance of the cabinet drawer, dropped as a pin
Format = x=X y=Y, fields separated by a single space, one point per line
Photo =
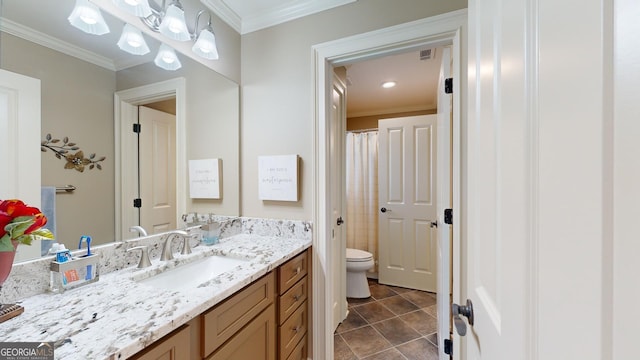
x=300 y=351
x=256 y=341
x=292 y=271
x=175 y=346
x=290 y=301
x=225 y=319
x=292 y=331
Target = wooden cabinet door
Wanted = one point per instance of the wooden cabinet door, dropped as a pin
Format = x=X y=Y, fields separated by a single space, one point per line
x=176 y=346
x=256 y=341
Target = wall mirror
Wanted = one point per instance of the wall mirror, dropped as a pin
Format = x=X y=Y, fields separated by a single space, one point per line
x=80 y=75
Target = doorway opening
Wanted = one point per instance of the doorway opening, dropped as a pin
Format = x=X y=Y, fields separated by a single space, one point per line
x=432 y=32
x=125 y=116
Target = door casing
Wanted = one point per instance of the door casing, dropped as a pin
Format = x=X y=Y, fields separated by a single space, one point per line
x=445 y=29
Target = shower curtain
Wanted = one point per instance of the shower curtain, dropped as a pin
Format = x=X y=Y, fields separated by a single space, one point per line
x=362 y=192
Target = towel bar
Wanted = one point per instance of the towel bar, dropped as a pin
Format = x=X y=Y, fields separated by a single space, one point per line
x=67 y=188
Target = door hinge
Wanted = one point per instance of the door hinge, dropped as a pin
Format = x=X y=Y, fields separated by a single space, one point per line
x=137 y=203
x=448 y=347
x=137 y=128
x=448 y=216
x=448 y=86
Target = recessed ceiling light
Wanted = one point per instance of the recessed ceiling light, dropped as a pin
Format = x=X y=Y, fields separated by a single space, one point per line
x=388 y=84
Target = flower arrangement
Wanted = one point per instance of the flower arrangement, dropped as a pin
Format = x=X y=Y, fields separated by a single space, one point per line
x=20 y=223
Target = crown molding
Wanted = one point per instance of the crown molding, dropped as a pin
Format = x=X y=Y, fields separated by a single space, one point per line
x=26 y=33
x=274 y=16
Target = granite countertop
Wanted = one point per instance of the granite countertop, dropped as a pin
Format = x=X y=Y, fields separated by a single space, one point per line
x=116 y=317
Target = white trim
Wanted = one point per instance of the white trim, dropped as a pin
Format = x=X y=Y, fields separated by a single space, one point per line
x=264 y=18
x=122 y=121
x=532 y=56
x=435 y=30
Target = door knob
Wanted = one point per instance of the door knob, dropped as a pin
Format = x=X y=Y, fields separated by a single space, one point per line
x=384 y=210
x=434 y=224
x=340 y=221
x=464 y=310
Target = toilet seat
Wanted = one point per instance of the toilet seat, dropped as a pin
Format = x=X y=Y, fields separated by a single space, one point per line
x=355 y=255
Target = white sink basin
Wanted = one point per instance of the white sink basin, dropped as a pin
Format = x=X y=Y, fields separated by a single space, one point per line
x=189 y=276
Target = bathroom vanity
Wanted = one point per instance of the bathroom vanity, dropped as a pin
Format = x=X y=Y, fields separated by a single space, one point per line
x=259 y=309
x=244 y=326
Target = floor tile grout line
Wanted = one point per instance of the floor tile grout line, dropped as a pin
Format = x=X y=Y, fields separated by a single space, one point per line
x=353 y=307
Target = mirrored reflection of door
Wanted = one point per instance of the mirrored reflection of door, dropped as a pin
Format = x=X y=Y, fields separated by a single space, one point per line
x=20 y=129
x=157 y=170
x=407 y=200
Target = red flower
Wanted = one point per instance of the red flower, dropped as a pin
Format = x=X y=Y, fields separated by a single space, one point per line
x=19 y=222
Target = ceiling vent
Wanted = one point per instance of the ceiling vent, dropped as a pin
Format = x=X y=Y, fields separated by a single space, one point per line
x=427 y=54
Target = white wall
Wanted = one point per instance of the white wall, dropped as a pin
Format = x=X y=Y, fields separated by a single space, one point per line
x=277 y=89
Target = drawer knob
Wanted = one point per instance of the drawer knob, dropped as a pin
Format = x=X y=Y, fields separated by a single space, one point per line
x=297 y=329
x=297 y=297
x=298 y=269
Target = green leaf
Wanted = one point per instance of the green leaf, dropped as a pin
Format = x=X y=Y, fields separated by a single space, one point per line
x=48 y=137
x=42 y=233
x=99 y=167
x=66 y=139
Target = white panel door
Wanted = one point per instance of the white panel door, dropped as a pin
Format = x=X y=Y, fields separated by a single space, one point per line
x=338 y=199
x=445 y=199
x=407 y=179
x=20 y=145
x=157 y=171
x=499 y=173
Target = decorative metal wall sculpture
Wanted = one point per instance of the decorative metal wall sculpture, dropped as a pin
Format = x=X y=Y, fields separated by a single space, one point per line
x=75 y=160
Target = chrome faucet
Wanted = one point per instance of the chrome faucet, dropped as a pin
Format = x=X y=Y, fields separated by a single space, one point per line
x=167 y=254
x=139 y=229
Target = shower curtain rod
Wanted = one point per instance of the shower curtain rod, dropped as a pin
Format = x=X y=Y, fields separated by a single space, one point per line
x=362 y=130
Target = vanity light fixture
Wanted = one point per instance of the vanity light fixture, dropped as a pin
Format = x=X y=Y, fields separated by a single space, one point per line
x=174 y=24
x=88 y=18
x=205 y=45
x=132 y=41
x=167 y=58
x=170 y=21
x=388 y=84
x=139 y=8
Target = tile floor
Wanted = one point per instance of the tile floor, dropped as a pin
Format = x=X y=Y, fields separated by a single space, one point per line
x=394 y=323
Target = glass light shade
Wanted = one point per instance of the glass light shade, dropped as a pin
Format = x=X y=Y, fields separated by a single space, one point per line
x=87 y=17
x=139 y=8
x=167 y=58
x=205 y=46
x=132 y=41
x=174 y=25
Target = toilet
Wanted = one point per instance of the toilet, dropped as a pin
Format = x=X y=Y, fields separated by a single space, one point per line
x=358 y=262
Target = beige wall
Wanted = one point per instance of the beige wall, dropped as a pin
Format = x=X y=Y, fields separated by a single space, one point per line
x=77 y=102
x=277 y=99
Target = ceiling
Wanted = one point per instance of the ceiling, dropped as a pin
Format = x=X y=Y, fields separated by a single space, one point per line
x=416 y=78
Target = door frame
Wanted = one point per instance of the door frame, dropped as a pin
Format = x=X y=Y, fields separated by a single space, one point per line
x=126 y=186
x=438 y=30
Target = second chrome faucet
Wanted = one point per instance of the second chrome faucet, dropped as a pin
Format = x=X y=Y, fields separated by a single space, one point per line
x=167 y=253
